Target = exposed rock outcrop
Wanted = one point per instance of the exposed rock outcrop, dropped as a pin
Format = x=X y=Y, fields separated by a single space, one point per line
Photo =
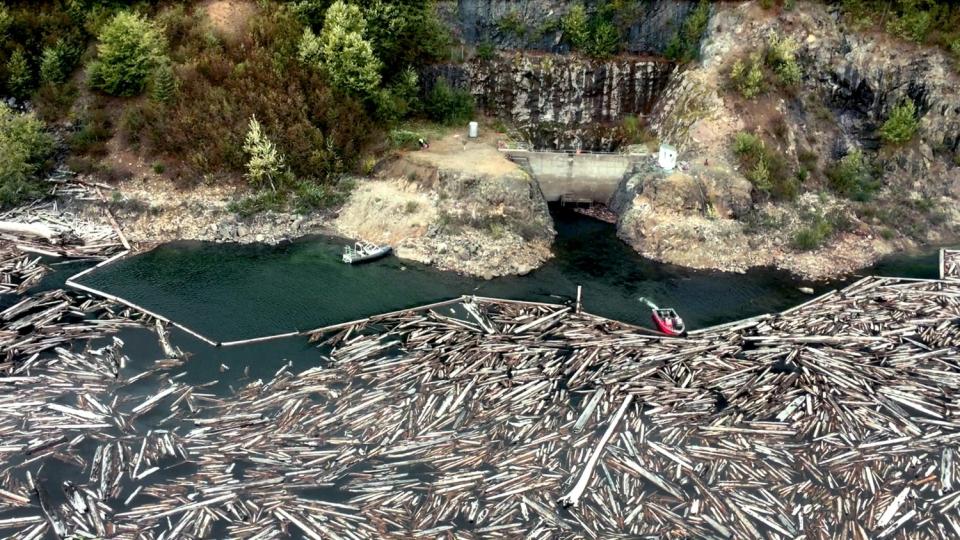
x=459 y=207
x=686 y=217
x=557 y=98
x=646 y=26
x=689 y=218
x=850 y=83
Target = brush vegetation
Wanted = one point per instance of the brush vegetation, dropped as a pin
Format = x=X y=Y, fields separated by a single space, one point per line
x=324 y=80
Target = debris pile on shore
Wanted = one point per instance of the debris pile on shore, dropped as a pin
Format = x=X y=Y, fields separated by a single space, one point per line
x=836 y=418
x=44 y=227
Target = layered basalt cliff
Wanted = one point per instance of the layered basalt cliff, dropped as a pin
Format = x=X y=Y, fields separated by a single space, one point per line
x=646 y=26
x=559 y=98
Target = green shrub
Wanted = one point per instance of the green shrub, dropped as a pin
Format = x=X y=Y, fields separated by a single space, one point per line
x=19 y=75
x=449 y=105
x=778 y=63
x=814 y=235
x=486 y=51
x=313 y=196
x=130 y=48
x=265 y=201
x=748 y=145
x=405 y=139
x=57 y=62
x=634 y=131
x=748 y=77
x=684 y=46
x=400 y=99
x=25 y=148
x=913 y=24
x=902 y=124
x=512 y=23
x=782 y=58
x=853 y=177
x=767 y=170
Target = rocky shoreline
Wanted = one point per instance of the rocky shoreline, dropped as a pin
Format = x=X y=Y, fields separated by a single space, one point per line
x=203 y=215
x=153 y=211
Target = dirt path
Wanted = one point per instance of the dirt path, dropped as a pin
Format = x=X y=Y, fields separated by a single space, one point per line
x=229 y=17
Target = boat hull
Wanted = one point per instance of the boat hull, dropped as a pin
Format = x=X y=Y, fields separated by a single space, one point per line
x=665 y=328
x=367 y=257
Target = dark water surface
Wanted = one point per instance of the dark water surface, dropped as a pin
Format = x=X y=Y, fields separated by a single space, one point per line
x=231 y=292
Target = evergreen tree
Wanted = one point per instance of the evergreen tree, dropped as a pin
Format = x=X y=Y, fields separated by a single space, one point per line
x=57 y=61
x=266 y=163
x=342 y=51
x=164 y=84
x=25 y=147
x=19 y=78
x=130 y=48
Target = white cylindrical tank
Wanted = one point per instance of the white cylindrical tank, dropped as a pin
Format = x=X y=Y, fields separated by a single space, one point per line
x=474 y=130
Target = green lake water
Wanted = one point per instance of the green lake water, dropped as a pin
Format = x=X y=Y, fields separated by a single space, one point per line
x=230 y=292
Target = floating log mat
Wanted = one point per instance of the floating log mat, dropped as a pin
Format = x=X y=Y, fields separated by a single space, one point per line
x=951 y=264
x=837 y=419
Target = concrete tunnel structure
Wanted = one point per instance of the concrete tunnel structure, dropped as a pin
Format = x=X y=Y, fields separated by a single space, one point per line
x=576 y=178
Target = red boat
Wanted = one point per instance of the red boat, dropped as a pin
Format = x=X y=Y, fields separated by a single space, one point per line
x=666 y=320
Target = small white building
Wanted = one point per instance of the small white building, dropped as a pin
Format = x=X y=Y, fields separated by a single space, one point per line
x=667 y=157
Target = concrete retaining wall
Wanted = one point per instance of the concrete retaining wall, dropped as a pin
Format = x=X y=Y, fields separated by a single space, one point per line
x=584 y=177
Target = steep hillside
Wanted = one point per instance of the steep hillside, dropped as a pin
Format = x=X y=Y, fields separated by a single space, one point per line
x=800 y=105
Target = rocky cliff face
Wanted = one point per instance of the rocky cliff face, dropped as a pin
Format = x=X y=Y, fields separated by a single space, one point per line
x=646 y=26
x=865 y=78
x=554 y=95
x=854 y=79
x=849 y=85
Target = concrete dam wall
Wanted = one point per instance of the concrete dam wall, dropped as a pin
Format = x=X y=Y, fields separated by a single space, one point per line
x=576 y=177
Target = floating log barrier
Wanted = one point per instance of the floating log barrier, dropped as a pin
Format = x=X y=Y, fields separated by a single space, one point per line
x=834 y=419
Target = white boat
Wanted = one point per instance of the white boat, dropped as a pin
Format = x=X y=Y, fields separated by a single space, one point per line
x=363 y=252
